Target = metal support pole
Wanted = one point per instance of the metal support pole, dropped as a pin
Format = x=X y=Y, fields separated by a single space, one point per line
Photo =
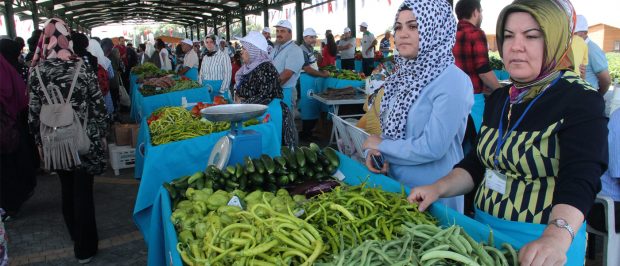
x=243 y=24
x=35 y=13
x=227 y=28
x=206 y=28
x=186 y=36
x=191 y=33
x=299 y=19
x=351 y=17
x=265 y=13
x=215 y=26
x=198 y=31
x=8 y=18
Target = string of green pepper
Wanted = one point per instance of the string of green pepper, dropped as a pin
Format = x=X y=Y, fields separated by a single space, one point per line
x=350 y=215
x=426 y=245
x=177 y=123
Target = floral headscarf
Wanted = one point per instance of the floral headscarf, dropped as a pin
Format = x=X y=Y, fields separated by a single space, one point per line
x=437 y=30
x=55 y=42
x=557 y=22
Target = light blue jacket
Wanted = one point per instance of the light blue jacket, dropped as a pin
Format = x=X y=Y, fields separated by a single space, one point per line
x=435 y=129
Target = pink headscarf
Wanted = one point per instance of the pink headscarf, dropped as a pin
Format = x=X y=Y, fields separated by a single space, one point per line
x=55 y=42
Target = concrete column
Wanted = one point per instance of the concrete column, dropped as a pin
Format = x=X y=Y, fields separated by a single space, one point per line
x=8 y=18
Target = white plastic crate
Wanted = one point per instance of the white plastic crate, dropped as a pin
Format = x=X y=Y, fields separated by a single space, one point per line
x=121 y=157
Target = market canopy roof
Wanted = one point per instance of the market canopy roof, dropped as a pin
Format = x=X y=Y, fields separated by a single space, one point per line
x=94 y=13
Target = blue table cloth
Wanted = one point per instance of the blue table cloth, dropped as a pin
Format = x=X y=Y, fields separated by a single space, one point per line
x=133 y=87
x=358 y=65
x=311 y=108
x=143 y=106
x=355 y=173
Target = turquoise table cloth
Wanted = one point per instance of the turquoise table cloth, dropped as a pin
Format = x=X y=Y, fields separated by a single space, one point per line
x=142 y=106
x=165 y=236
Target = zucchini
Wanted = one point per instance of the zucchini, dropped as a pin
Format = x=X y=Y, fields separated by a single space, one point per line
x=310 y=155
x=285 y=152
x=231 y=170
x=331 y=156
x=180 y=182
x=282 y=180
x=269 y=164
x=257 y=179
x=281 y=161
x=200 y=184
x=291 y=160
x=301 y=158
x=292 y=177
x=260 y=168
x=271 y=179
x=209 y=184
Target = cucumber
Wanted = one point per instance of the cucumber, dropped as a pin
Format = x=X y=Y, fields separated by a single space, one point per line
x=331 y=156
x=285 y=152
x=313 y=146
x=260 y=168
x=291 y=160
x=301 y=158
x=249 y=165
x=171 y=191
x=310 y=155
x=195 y=177
x=231 y=170
x=239 y=171
x=281 y=161
x=292 y=177
x=269 y=164
x=257 y=179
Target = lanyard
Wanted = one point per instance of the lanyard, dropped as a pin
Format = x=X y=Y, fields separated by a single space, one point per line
x=281 y=48
x=502 y=138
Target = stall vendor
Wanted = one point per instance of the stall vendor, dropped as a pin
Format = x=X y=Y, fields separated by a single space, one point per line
x=542 y=146
x=190 y=61
x=425 y=104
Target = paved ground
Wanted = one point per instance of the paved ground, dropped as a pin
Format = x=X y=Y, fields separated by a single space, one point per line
x=38 y=235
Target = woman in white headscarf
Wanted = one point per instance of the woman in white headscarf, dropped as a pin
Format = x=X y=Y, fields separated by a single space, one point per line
x=104 y=76
x=216 y=65
x=426 y=102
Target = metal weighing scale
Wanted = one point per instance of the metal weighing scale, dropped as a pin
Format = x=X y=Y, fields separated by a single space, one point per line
x=238 y=143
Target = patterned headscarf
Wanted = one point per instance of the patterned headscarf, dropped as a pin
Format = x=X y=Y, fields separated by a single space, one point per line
x=257 y=57
x=55 y=42
x=557 y=22
x=437 y=30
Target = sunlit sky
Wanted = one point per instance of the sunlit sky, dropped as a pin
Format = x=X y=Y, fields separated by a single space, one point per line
x=380 y=16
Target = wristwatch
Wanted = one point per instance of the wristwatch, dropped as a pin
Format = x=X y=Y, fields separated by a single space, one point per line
x=561 y=223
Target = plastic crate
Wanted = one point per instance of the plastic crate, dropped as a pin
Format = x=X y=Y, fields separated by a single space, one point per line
x=121 y=157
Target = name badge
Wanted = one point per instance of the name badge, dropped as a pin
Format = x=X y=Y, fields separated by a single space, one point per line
x=495 y=181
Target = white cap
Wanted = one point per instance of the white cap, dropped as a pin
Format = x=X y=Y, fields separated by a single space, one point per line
x=257 y=39
x=347 y=30
x=582 y=24
x=285 y=24
x=267 y=30
x=188 y=42
x=364 y=24
x=309 y=32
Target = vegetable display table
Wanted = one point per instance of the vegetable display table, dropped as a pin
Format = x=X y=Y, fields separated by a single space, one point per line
x=310 y=107
x=162 y=239
x=143 y=106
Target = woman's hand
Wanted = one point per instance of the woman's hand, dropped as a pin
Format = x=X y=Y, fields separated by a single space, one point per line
x=371 y=165
x=424 y=196
x=372 y=142
x=547 y=250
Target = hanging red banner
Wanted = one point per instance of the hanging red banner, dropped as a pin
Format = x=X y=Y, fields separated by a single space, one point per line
x=330 y=8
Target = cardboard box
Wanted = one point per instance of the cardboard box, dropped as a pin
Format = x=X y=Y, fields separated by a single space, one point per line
x=125 y=134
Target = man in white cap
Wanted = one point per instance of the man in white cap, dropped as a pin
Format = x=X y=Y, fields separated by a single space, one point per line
x=190 y=60
x=368 y=49
x=267 y=35
x=311 y=68
x=597 y=72
x=346 y=46
x=288 y=59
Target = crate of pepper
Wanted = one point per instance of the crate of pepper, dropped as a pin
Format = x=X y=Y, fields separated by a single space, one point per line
x=169 y=124
x=166 y=84
x=148 y=70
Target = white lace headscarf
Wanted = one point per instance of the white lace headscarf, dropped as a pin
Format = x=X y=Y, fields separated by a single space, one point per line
x=437 y=30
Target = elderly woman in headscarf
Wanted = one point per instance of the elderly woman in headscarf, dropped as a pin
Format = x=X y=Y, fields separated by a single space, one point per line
x=18 y=156
x=105 y=73
x=543 y=142
x=257 y=81
x=57 y=64
x=423 y=112
x=216 y=65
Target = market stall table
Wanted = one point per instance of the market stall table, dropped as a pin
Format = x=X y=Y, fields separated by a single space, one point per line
x=163 y=239
x=335 y=104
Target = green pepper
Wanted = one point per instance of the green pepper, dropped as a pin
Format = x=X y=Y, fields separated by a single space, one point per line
x=186 y=236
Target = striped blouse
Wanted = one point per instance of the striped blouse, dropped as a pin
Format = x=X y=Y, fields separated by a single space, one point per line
x=216 y=67
x=556 y=155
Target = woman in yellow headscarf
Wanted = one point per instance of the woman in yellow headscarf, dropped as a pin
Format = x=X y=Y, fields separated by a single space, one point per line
x=543 y=143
